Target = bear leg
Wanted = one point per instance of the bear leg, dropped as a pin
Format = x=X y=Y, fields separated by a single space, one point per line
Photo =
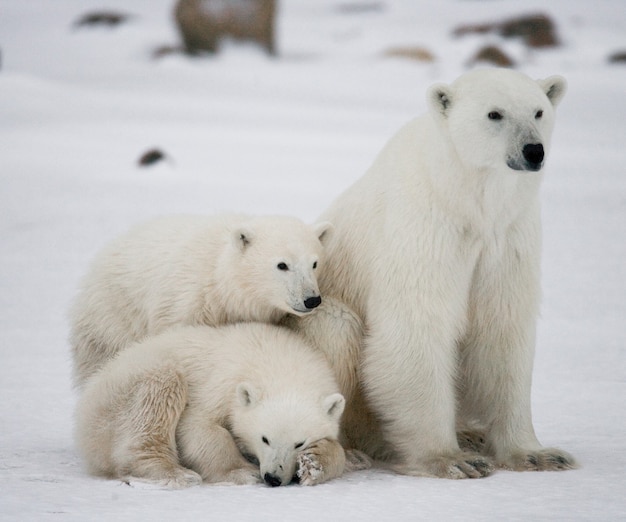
x=211 y=450
x=147 y=448
x=497 y=356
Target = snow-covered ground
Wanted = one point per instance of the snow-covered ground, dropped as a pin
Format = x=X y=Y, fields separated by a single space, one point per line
x=79 y=106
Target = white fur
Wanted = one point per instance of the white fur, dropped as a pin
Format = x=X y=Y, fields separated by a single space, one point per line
x=437 y=249
x=193 y=270
x=183 y=406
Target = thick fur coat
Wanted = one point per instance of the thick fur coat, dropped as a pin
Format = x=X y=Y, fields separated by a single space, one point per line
x=191 y=404
x=437 y=249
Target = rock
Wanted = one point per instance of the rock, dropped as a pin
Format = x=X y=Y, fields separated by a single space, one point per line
x=618 y=57
x=493 y=55
x=151 y=157
x=102 y=18
x=537 y=30
x=418 y=54
x=203 y=23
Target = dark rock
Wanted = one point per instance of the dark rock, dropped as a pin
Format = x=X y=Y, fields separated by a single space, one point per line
x=618 y=57
x=537 y=30
x=102 y=18
x=151 y=157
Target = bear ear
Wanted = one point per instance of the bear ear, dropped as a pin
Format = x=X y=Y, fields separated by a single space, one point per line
x=334 y=405
x=439 y=98
x=247 y=394
x=554 y=87
x=242 y=238
x=323 y=230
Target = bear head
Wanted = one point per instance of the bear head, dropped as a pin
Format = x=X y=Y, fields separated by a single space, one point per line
x=497 y=119
x=278 y=259
x=272 y=429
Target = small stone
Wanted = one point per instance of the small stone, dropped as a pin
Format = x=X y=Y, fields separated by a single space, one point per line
x=151 y=157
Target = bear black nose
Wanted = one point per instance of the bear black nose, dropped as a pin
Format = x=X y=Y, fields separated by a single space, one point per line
x=312 y=302
x=272 y=480
x=533 y=154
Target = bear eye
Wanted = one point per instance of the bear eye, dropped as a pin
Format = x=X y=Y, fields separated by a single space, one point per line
x=315 y=265
x=282 y=266
x=538 y=115
x=299 y=445
x=494 y=115
x=265 y=441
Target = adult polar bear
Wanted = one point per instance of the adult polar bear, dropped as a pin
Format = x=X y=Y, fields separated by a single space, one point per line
x=437 y=249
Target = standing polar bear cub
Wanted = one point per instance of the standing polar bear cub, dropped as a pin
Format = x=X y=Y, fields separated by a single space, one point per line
x=194 y=270
x=183 y=406
x=437 y=249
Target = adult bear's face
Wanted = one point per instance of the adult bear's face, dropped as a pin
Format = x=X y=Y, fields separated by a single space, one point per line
x=497 y=119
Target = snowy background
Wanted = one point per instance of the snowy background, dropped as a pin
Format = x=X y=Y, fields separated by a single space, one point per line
x=243 y=132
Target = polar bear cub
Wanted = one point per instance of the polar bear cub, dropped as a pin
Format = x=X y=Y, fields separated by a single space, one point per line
x=187 y=405
x=194 y=270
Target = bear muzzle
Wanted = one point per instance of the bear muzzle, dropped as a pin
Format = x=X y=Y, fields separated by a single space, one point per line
x=532 y=154
x=306 y=306
x=312 y=302
x=272 y=480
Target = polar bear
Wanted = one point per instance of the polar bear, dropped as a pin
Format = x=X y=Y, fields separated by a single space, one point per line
x=437 y=250
x=185 y=406
x=194 y=270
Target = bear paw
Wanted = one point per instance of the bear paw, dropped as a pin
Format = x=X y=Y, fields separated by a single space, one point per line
x=357 y=460
x=321 y=461
x=310 y=471
x=460 y=465
x=175 y=479
x=471 y=440
x=544 y=459
x=239 y=477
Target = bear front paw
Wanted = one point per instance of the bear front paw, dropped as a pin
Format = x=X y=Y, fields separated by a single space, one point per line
x=310 y=470
x=321 y=461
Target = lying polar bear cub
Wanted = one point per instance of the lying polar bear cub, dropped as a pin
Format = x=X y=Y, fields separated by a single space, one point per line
x=187 y=405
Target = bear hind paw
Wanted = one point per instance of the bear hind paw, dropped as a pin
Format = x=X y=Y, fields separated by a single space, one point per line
x=178 y=478
x=456 y=466
x=239 y=477
x=357 y=460
x=544 y=459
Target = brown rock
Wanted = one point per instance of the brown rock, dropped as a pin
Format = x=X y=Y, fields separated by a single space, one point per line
x=537 y=30
x=419 y=54
x=203 y=23
x=493 y=55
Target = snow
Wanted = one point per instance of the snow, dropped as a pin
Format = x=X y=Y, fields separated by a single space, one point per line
x=243 y=132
